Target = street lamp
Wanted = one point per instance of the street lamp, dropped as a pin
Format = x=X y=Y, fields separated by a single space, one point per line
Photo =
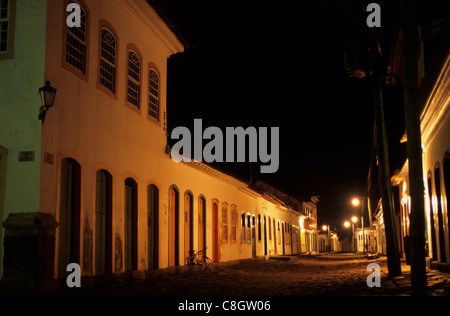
x=326 y=228
x=354 y=220
x=47 y=94
x=346 y=224
x=356 y=202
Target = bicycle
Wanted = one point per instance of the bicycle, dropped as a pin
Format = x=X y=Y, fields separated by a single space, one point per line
x=197 y=261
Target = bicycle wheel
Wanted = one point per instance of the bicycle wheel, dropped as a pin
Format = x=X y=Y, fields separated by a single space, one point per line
x=209 y=264
x=192 y=263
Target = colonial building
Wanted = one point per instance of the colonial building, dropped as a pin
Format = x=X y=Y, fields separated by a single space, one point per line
x=94 y=182
x=434 y=102
x=435 y=126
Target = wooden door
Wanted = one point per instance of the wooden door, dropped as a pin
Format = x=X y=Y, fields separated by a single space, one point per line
x=153 y=226
x=274 y=237
x=265 y=236
x=187 y=224
x=215 y=232
x=69 y=220
x=201 y=227
x=131 y=227
x=103 y=222
x=253 y=232
x=172 y=228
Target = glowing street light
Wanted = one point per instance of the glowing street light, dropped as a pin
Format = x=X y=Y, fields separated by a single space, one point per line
x=346 y=224
x=356 y=202
x=354 y=219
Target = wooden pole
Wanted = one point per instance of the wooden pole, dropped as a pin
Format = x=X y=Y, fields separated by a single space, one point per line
x=414 y=148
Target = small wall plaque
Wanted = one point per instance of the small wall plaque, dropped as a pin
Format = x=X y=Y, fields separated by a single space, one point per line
x=26 y=156
x=49 y=158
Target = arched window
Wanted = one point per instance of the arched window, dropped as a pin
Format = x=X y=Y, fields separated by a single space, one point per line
x=108 y=59
x=76 y=43
x=153 y=93
x=134 y=79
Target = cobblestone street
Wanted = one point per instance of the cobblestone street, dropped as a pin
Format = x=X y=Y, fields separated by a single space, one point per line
x=327 y=274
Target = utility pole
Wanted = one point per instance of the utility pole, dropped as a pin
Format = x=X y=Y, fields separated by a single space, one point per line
x=414 y=148
x=393 y=256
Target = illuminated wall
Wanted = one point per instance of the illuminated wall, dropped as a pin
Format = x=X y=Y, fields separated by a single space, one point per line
x=435 y=125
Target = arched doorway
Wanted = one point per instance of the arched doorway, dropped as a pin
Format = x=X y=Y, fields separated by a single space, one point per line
x=432 y=223
x=188 y=224
x=69 y=215
x=437 y=190
x=201 y=223
x=173 y=227
x=446 y=174
x=215 y=231
x=131 y=226
x=265 y=235
x=275 y=252
x=153 y=226
x=3 y=157
x=103 y=222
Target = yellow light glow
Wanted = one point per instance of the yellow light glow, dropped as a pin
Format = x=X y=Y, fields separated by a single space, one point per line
x=302 y=222
x=354 y=219
x=347 y=224
x=324 y=227
x=356 y=202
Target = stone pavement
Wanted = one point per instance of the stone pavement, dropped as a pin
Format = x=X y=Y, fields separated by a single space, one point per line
x=313 y=275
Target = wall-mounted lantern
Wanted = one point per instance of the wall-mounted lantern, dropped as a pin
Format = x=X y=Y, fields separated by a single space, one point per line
x=47 y=94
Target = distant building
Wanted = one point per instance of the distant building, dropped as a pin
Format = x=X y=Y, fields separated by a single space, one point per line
x=329 y=242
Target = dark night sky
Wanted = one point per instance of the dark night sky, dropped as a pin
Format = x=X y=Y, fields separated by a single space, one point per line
x=261 y=63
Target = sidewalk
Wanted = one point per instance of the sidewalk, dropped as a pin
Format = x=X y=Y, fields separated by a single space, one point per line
x=438 y=282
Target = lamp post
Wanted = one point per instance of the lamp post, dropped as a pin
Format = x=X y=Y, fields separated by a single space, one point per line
x=47 y=94
x=354 y=221
x=356 y=202
x=326 y=228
